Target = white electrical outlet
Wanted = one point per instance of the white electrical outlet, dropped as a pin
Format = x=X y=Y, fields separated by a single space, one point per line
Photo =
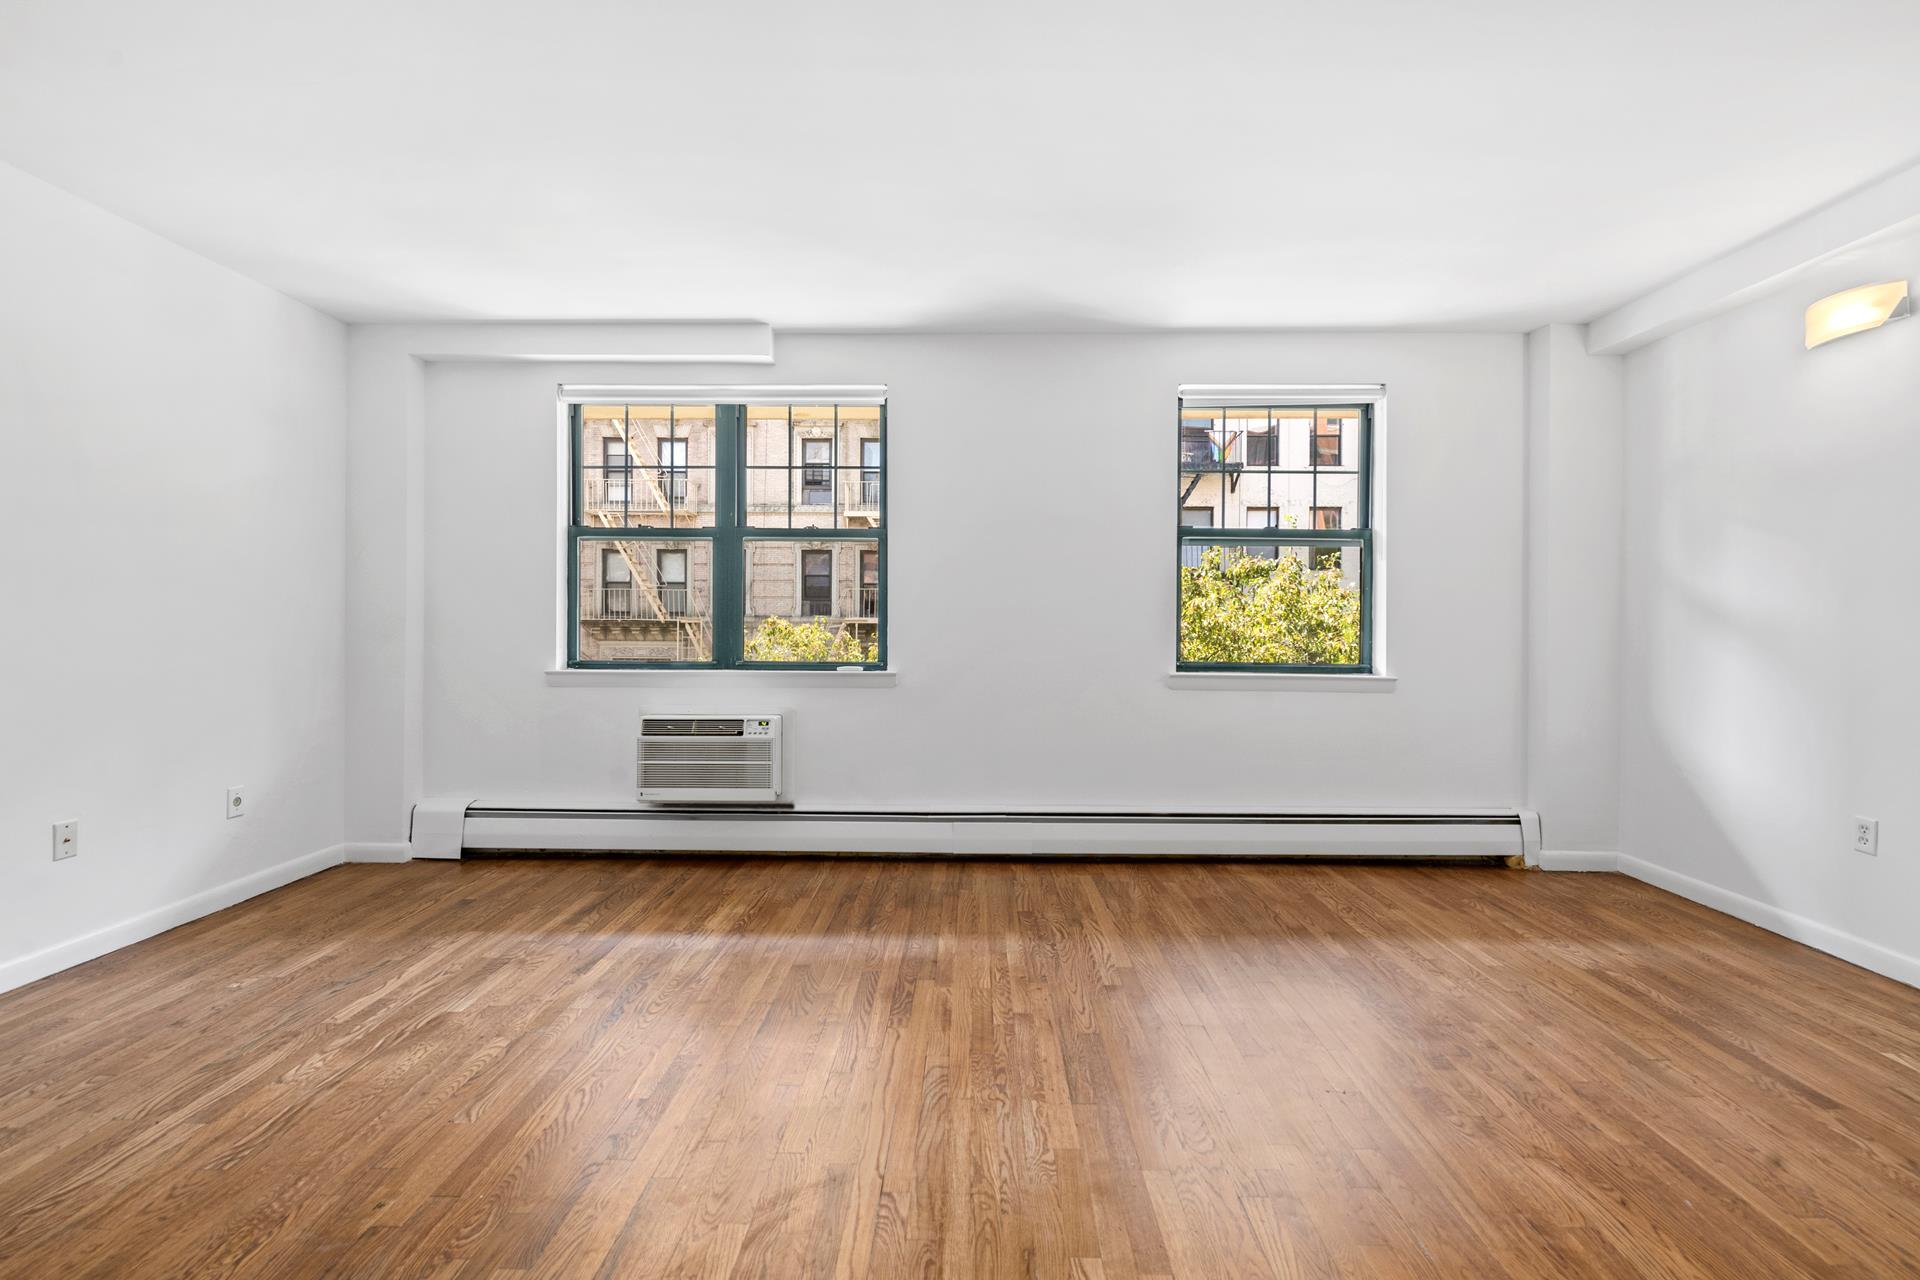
x=236 y=802
x=66 y=840
x=1866 y=835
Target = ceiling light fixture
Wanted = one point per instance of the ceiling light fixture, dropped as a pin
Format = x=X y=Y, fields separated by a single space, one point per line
x=1856 y=310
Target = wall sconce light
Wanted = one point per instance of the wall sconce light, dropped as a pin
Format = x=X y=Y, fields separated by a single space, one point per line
x=1856 y=310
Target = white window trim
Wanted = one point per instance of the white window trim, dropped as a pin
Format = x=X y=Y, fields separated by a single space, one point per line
x=1282 y=681
x=758 y=677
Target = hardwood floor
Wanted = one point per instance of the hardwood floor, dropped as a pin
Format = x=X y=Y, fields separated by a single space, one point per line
x=858 y=1068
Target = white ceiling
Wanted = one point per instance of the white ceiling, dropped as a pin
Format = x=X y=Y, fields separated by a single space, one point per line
x=1484 y=163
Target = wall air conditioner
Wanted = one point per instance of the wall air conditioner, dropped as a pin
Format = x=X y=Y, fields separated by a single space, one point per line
x=708 y=759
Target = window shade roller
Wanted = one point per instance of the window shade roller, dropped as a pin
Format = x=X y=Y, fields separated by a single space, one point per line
x=784 y=393
x=1230 y=395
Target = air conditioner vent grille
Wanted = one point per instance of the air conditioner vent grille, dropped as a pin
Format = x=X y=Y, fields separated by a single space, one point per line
x=696 y=759
x=664 y=727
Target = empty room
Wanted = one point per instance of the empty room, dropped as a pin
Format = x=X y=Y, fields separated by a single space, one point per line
x=1065 y=641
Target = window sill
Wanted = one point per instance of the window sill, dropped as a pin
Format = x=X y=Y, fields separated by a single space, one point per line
x=1282 y=681
x=762 y=677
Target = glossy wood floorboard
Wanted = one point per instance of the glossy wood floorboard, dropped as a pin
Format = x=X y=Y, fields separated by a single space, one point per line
x=1102 y=1071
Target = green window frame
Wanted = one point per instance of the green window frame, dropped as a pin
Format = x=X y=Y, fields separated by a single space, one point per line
x=1222 y=467
x=727 y=539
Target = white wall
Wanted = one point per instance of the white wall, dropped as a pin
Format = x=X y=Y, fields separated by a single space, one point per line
x=1576 y=448
x=1032 y=587
x=1772 y=557
x=171 y=566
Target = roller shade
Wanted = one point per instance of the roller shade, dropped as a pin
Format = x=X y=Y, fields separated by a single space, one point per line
x=1214 y=395
x=785 y=393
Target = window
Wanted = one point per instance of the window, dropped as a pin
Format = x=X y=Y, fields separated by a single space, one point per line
x=1260 y=451
x=727 y=535
x=672 y=565
x=1257 y=518
x=673 y=469
x=816 y=483
x=1275 y=544
x=816 y=584
x=618 y=470
x=616 y=584
x=644 y=466
x=1327 y=432
x=869 y=584
x=869 y=473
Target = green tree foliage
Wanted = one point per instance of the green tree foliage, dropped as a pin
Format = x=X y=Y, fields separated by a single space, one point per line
x=778 y=640
x=1240 y=608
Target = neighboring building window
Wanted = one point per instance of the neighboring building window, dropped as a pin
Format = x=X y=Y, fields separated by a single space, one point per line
x=1257 y=518
x=1327 y=431
x=869 y=584
x=1260 y=450
x=816 y=480
x=672 y=563
x=754 y=535
x=1275 y=548
x=616 y=584
x=869 y=474
x=618 y=470
x=673 y=469
x=816 y=584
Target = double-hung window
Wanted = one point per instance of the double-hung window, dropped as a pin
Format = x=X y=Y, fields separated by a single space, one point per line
x=727 y=534
x=1274 y=535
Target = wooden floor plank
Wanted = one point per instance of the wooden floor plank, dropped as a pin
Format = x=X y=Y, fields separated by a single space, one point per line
x=1119 y=1071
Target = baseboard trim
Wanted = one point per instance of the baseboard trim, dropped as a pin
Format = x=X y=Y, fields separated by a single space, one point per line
x=34 y=966
x=493 y=829
x=1854 y=950
x=377 y=853
x=1579 y=860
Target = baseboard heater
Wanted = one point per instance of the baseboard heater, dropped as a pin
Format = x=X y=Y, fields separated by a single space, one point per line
x=447 y=828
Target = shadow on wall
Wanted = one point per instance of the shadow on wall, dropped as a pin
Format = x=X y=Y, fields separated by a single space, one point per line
x=1745 y=684
x=1732 y=748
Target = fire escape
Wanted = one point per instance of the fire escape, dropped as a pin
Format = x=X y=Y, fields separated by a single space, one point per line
x=1213 y=452
x=693 y=633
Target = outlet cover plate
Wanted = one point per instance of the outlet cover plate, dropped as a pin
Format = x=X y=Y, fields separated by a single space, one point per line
x=1866 y=836
x=66 y=840
x=236 y=802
